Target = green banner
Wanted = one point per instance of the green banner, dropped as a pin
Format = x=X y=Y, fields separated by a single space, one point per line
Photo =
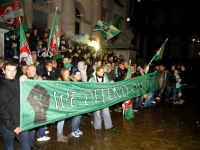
x=43 y=102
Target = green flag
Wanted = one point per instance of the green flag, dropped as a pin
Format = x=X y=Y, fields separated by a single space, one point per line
x=108 y=30
x=54 y=37
x=159 y=53
x=128 y=111
x=117 y=21
x=11 y=11
x=127 y=106
x=128 y=74
x=25 y=53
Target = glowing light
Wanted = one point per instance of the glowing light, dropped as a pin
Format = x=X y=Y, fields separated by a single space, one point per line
x=193 y=40
x=198 y=41
x=94 y=44
x=128 y=19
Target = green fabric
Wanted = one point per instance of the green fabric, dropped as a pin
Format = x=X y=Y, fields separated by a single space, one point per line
x=128 y=110
x=117 y=21
x=54 y=39
x=159 y=54
x=43 y=102
x=108 y=31
x=57 y=56
x=128 y=73
x=93 y=79
x=25 y=53
x=15 y=51
x=14 y=9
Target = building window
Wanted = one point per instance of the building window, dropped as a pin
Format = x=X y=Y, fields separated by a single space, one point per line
x=78 y=15
x=177 y=17
x=160 y=18
x=37 y=23
x=159 y=39
x=145 y=47
x=43 y=3
x=175 y=46
x=193 y=46
x=118 y=2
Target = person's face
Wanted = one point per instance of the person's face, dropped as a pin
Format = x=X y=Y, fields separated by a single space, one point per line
x=54 y=64
x=121 y=66
x=141 y=70
x=113 y=65
x=23 y=69
x=126 y=65
x=94 y=54
x=14 y=44
x=83 y=67
x=65 y=60
x=162 y=68
x=77 y=76
x=85 y=56
x=27 y=35
x=157 y=67
x=173 y=67
x=66 y=74
x=132 y=68
x=100 y=72
x=105 y=69
x=98 y=64
x=175 y=72
x=45 y=35
x=78 y=51
x=35 y=32
x=31 y=71
x=77 y=47
x=63 y=41
x=88 y=54
x=182 y=68
x=49 y=66
x=10 y=72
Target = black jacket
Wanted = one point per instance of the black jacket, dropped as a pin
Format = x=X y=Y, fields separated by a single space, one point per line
x=184 y=77
x=173 y=81
x=10 y=103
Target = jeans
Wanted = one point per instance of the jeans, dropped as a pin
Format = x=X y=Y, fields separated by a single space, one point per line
x=31 y=135
x=161 y=94
x=176 y=94
x=168 y=92
x=183 y=90
x=60 y=125
x=149 y=98
x=106 y=118
x=75 y=122
x=9 y=136
x=138 y=102
x=41 y=132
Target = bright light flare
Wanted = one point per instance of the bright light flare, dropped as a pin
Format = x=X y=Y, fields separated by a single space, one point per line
x=94 y=44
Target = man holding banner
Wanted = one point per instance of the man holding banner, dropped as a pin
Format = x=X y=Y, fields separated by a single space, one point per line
x=10 y=109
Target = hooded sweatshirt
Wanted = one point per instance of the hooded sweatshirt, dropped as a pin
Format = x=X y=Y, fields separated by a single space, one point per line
x=83 y=72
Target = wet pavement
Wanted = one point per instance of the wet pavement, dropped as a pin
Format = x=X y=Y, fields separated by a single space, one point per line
x=160 y=127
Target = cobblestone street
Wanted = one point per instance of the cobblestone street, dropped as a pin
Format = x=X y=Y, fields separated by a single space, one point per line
x=160 y=127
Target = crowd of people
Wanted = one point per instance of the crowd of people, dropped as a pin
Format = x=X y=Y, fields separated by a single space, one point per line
x=79 y=63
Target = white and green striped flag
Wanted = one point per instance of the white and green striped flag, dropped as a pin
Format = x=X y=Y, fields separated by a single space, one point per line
x=108 y=30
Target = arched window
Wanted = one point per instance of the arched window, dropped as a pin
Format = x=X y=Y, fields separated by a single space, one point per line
x=78 y=15
x=77 y=24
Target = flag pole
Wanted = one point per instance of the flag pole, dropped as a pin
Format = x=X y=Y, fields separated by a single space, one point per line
x=107 y=39
x=154 y=55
